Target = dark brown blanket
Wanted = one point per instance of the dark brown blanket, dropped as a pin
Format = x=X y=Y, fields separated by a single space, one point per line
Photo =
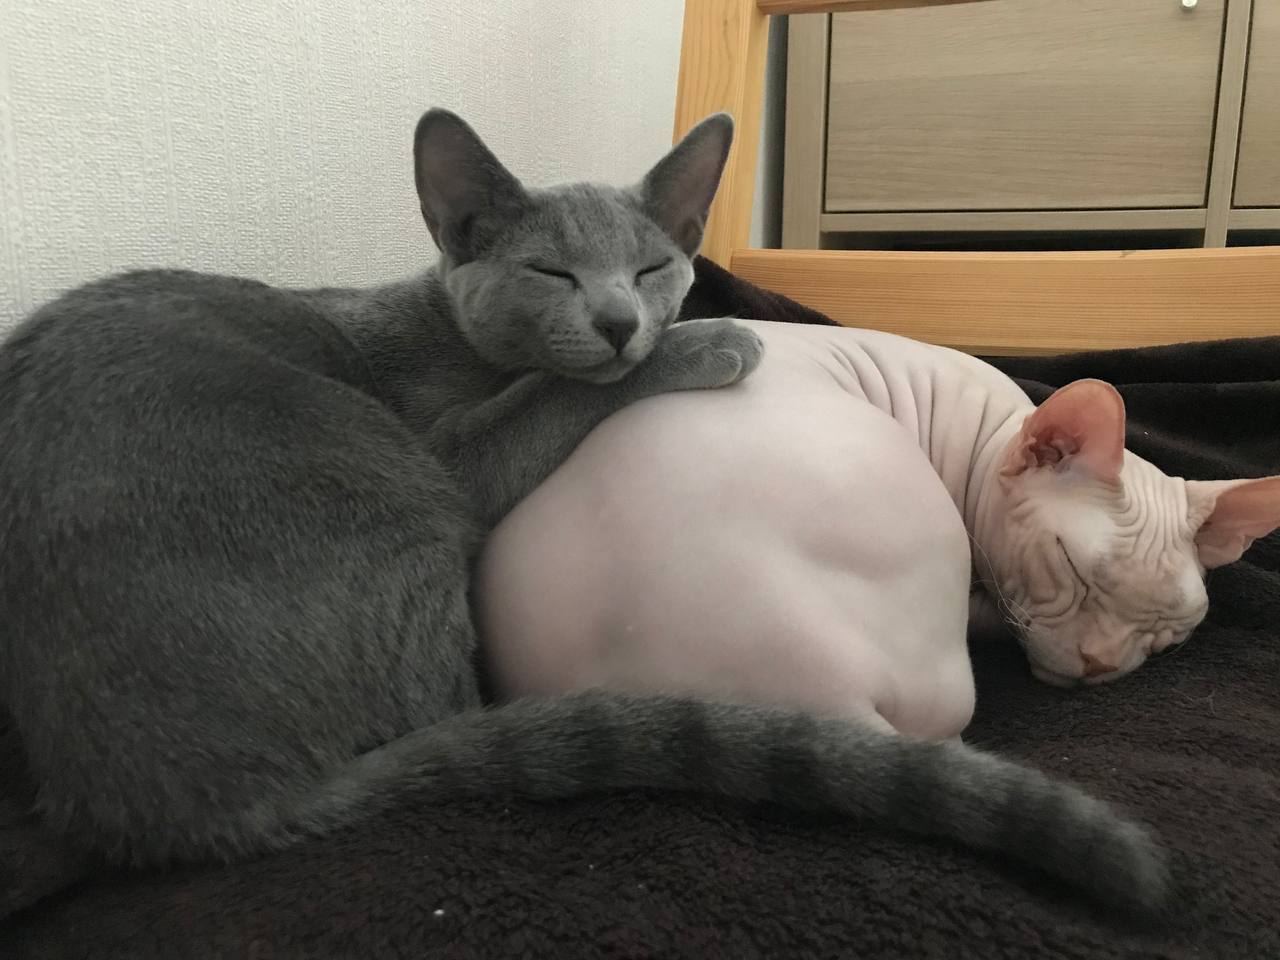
x=1191 y=743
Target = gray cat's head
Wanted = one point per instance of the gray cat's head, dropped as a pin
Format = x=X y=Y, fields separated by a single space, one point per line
x=580 y=280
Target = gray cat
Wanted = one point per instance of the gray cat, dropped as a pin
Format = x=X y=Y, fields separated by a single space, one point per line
x=236 y=526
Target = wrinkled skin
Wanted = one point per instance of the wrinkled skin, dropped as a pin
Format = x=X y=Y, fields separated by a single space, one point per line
x=1098 y=558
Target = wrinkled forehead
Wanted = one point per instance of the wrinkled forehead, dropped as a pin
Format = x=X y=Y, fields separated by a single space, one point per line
x=585 y=227
x=1158 y=579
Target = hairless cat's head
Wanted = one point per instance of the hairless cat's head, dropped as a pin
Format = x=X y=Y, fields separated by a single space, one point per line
x=580 y=280
x=1103 y=557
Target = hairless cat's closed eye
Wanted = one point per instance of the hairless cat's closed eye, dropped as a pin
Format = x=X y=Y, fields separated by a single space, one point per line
x=1074 y=569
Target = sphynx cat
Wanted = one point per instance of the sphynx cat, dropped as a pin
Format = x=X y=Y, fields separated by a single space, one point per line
x=803 y=538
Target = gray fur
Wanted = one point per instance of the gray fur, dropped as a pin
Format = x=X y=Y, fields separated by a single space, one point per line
x=236 y=524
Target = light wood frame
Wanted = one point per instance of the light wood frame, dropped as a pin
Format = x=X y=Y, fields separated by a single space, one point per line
x=993 y=303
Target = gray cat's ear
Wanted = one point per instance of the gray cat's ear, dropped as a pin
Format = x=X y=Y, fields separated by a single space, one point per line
x=678 y=191
x=462 y=187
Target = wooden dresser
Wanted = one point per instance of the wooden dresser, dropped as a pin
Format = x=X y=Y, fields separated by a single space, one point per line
x=1092 y=116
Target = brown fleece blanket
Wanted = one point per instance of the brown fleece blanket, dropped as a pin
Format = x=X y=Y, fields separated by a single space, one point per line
x=1191 y=743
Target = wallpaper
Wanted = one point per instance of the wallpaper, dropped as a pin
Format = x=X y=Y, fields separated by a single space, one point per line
x=271 y=138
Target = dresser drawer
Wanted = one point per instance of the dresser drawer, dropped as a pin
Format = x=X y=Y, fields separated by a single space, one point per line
x=1258 y=171
x=1025 y=104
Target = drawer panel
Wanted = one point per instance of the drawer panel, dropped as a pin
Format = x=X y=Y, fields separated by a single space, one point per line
x=1258 y=171
x=1023 y=104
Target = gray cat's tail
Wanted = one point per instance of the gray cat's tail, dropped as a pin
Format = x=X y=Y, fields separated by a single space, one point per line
x=597 y=741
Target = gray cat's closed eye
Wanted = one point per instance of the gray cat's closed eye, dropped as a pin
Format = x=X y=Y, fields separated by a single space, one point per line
x=653 y=269
x=552 y=272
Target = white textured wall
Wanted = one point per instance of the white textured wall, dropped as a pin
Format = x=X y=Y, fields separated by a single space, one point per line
x=271 y=138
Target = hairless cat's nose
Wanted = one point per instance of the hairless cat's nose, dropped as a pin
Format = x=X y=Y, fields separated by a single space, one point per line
x=617 y=326
x=1094 y=667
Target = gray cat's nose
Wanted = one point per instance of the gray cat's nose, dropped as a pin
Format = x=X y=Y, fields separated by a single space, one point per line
x=617 y=327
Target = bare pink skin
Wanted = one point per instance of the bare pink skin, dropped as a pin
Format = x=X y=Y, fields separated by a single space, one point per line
x=803 y=538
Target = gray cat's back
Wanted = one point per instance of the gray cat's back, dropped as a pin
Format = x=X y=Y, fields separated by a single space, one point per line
x=113 y=347
x=203 y=460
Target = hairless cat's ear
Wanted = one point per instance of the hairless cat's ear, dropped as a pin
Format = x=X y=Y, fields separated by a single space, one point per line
x=1080 y=425
x=1230 y=514
x=678 y=191
x=459 y=182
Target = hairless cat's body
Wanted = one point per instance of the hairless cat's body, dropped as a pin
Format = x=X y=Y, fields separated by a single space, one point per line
x=803 y=538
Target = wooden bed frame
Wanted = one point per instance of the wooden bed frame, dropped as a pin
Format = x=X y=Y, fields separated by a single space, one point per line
x=992 y=303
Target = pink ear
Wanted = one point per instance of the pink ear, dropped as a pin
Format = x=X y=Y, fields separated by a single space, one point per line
x=1232 y=514
x=1081 y=424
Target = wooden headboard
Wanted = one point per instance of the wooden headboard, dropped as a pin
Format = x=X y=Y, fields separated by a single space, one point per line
x=992 y=303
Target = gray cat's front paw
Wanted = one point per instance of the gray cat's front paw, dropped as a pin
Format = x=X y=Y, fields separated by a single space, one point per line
x=701 y=355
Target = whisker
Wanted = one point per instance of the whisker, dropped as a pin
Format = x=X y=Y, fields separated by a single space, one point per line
x=1170 y=651
x=1001 y=600
x=1018 y=611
